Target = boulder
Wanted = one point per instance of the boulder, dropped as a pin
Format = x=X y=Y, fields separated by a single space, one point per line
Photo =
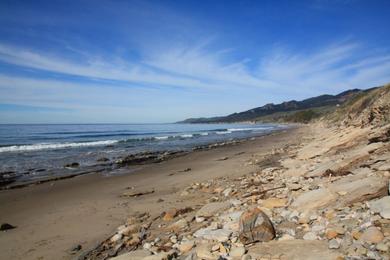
x=255 y=226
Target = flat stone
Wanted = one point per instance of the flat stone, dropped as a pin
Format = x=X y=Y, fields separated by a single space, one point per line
x=359 y=190
x=133 y=255
x=274 y=203
x=372 y=235
x=355 y=189
x=203 y=251
x=381 y=206
x=221 y=235
x=296 y=249
x=237 y=252
x=159 y=256
x=310 y=236
x=186 y=246
x=255 y=226
x=212 y=208
x=178 y=225
x=313 y=199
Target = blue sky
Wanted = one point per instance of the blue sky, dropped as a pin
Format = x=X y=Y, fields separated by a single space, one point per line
x=163 y=61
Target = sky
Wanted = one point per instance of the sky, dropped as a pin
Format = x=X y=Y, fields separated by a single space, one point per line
x=144 y=61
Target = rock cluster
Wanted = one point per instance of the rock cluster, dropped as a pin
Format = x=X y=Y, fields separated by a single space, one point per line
x=327 y=198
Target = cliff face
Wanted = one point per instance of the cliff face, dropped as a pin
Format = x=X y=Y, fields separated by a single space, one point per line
x=368 y=108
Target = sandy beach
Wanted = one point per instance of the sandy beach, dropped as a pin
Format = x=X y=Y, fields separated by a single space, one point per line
x=53 y=217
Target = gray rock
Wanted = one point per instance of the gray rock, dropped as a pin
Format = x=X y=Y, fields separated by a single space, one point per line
x=334 y=244
x=381 y=206
x=221 y=235
x=212 y=208
x=310 y=236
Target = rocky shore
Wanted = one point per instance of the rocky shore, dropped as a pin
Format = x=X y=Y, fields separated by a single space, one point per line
x=13 y=180
x=324 y=198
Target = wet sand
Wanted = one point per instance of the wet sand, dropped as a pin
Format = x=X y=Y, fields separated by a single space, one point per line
x=53 y=217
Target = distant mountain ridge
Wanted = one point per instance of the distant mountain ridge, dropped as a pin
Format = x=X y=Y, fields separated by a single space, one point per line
x=305 y=110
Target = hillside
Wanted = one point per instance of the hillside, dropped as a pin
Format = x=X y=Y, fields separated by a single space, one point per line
x=290 y=111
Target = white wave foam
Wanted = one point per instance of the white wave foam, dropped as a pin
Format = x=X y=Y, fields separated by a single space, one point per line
x=246 y=129
x=186 y=136
x=161 y=137
x=204 y=134
x=36 y=147
x=223 y=132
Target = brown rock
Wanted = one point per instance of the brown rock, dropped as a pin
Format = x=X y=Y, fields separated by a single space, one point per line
x=356 y=234
x=186 y=247
x=170 y=214
x=372 y=235
x=255 y=226
x=330 y=234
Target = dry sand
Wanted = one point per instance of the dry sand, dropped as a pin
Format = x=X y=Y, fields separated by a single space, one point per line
x=53 y=217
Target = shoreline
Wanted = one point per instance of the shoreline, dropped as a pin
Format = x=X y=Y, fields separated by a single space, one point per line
x=138 y=158
x=86 y=209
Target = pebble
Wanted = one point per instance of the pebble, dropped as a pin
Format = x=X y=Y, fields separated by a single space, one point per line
x=382 y=247
x=310 y=236
x=115 y=238
x=330 y=234
x=147 y=246
x=334 y=244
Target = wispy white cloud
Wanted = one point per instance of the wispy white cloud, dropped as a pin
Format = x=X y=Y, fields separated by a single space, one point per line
x=281 y=73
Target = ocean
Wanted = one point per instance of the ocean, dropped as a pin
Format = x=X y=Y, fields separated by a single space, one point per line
x=30 y=152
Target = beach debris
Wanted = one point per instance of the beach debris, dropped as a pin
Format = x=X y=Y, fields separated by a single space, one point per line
x=130 y=194
x=6 y=226
x=76 y=248
x=223 y=159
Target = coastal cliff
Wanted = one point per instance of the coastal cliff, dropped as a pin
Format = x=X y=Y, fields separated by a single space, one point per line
x=292 y=111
